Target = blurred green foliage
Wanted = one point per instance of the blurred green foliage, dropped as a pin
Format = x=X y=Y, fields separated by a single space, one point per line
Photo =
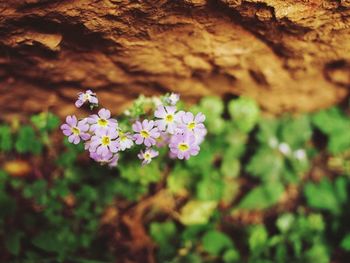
x=246 y=166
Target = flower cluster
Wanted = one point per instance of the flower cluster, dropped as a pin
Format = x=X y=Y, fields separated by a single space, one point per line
x=181 y=131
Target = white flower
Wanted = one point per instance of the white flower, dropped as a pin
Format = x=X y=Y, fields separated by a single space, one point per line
x=300 y=154
x=273 y=142
x=86 y=96
x=168 y=118
x=147 y=156
x=125 y=141
x=173 y=98
x=284 y=148
x=156 y=101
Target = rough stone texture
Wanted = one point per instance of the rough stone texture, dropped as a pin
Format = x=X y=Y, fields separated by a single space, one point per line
x=290 y=55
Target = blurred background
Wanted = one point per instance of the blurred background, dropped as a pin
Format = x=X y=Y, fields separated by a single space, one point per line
x=271 y=183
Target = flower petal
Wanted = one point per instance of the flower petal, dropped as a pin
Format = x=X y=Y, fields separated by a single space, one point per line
x=104 y=113
x=160 y=112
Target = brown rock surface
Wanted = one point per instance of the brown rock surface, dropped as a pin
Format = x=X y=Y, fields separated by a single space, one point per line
x=290 y=55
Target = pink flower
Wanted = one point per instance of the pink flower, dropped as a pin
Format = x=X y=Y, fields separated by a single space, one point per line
x=145 y=133
x=110 y=159
x=102 y=121
x=86 y=96
x=104 y=143
x=163 y=139
x=147 y=156
x=192 y=123
x=169 y=119
x=184 y=145
x=75 y=130
x=125 y=141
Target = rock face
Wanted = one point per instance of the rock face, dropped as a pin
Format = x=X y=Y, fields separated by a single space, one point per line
x=290 y=55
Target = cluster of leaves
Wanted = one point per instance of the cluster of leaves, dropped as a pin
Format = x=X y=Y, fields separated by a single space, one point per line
x=246 y=163
x=29 y=138
x=298 y=238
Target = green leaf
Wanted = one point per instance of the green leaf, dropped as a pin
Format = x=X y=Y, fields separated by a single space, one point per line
x=162 y=232
x=339 y=142
x=285 y=222
x=179 y=180
x=340 y=187
x=203 y=161
x=7 y=203
x=144 y=175
x=13 y=242
x=164 y=235
x=36 y=189
x=268 y=129
x=245 y=113
x=345 y=243
x=210 y=189
x=330 y=121
x=262 y=197
x=5 y=138
x=334 y=123
x=231 y=190
x=231 y=256
x=316 y=222
x=191 y=257
x=324 y=196
x=258 y=239
x=296 y=131
x=45 y=121
x=87 y=193
x=212 y=105
x=48 y=241
x=27 y=141
x=235 y=143
x=125 y=189
x=266 y=164
x=215 y=242
x=230 y=167
x=212 y=108
x=318 y=253
x=197 y=212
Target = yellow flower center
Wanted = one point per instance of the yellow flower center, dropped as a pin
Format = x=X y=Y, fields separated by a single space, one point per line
x=147 y=156
x=169 y=118
x=144 y=133
x=75 y=130
x=183 y=147
x=105 y=140
x=86 y=96
x=191 y=125
x=123 y=137
x=102 y=122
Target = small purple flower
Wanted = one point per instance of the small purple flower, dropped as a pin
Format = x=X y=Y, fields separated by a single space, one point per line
x=110 y=159
x=100 y=158
x=200 y=135
x=75 y=130
x=113 y=162
x=163 y=139
x=104 y=143
x=173 y=98
x=168 y=118
x=192 y=123
x=125 y=141
x=86 y=96
x=172 y=155
x=184 y=145
x=147 y=155
x=145 y=133
x=102 y=121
